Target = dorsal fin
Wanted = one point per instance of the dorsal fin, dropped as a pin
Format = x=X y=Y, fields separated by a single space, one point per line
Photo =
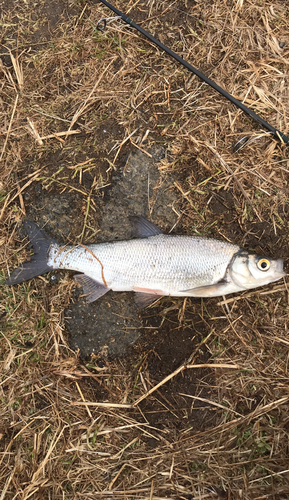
x=142 y=228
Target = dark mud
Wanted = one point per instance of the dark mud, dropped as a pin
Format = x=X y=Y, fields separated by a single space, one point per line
x=165 y=344
x=53 y=212
x=112 y=324
x=137 y=189
x=106 y=328
x=109 y=326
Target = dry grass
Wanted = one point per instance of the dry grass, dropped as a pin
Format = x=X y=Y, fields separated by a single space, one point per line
x=60 y=84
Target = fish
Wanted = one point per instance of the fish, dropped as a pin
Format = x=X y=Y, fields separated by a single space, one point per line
x=152 y=264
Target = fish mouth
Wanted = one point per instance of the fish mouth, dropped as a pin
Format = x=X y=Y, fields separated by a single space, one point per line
x=279 y=268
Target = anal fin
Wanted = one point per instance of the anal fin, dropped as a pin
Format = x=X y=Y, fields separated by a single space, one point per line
x=143 y=300
x=91 y=288
x=145 y=296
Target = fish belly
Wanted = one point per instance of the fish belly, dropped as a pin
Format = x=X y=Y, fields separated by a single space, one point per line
x=170 y=265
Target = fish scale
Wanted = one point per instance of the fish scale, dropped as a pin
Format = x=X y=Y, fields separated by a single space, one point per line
x=167 y=263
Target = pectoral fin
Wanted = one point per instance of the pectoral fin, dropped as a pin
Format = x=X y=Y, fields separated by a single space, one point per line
x=91 y=288
x=208 y=290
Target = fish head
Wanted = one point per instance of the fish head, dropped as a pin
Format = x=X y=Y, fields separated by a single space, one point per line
x=250 y=270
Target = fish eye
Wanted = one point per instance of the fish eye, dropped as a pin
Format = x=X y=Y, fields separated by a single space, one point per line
x=263 y=264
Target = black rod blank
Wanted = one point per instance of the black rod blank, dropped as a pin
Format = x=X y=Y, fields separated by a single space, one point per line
x=279 y=135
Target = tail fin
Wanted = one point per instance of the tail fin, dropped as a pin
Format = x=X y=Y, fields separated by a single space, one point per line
x=37 y=264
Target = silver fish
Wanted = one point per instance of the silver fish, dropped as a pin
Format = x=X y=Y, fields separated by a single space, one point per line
x=153 y=264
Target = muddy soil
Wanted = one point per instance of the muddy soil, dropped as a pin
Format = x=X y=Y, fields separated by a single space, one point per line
x=113 y=323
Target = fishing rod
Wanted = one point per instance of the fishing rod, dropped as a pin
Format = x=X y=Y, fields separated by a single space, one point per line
x=279 y=135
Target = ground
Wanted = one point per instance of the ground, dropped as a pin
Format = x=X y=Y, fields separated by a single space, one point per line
x=188 y=398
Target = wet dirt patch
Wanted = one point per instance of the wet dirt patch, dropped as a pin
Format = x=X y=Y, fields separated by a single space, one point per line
x=112 y=323
x=53 y=212
x=137 y=189
x=106 y=328
x=165 y=345
x=109 y=326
